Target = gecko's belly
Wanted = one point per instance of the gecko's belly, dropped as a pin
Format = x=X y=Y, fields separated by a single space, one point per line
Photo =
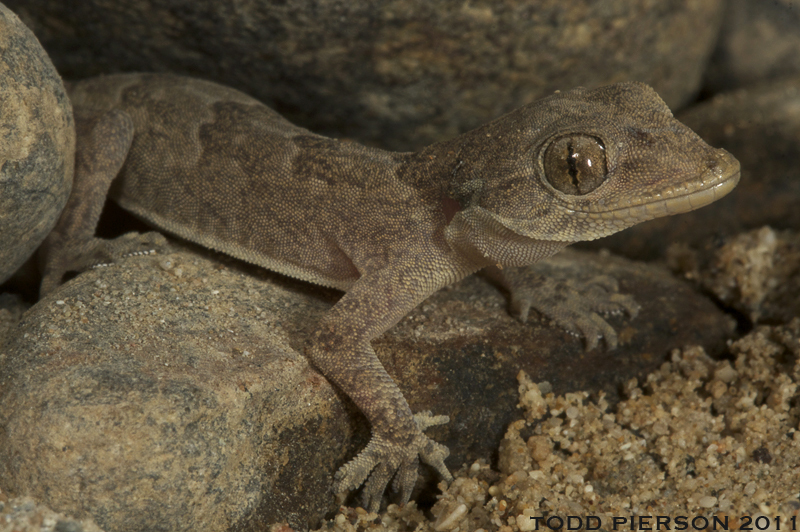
x=300 y=253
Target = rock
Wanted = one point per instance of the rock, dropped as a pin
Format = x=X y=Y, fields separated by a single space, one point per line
x=11 y=309
x=170 y=390
x=757 y=272
x=165 y=399
x=398 y=74
x=37 y=139
x=761 y=127
x=24 y=515
x=759 y=43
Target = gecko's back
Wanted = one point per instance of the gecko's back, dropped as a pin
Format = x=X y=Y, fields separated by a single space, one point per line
x=216 y=167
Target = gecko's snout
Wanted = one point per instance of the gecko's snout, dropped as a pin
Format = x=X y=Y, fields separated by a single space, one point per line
x=720 y=175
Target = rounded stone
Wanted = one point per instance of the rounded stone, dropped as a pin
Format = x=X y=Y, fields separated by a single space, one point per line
x=37 y=144
x=400 y=74
x=759 y=43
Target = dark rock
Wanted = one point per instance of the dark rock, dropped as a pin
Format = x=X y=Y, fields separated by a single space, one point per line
x=11 y=309
x=398 y=74
x=38 y=143
x=171 y=390
x=761 y=127
x=759 y=42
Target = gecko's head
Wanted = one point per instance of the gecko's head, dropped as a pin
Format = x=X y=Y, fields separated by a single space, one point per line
x=584 y=164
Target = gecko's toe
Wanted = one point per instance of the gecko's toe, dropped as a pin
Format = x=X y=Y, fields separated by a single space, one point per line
x=426 y=419
x=405 y=479
x=434 y=455
x=382 y=462
x=135 y=244
x=376 y=486
x=520 y=307
x=604 y=282
x=355 y=472
x=626 y=303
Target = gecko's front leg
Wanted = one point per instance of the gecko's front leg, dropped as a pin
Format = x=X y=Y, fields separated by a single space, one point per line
x=341 y=350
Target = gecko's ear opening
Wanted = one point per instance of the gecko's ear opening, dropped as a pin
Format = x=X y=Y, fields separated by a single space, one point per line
x=575 y=164
x=466 y=193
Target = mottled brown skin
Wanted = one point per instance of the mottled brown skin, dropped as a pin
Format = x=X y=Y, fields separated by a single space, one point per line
x=216 y=167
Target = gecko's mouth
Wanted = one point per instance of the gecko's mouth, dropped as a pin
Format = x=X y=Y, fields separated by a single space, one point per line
x=719 y=178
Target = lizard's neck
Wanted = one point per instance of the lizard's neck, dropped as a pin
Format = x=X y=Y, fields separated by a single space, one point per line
x=447 y=168
x=439 y=169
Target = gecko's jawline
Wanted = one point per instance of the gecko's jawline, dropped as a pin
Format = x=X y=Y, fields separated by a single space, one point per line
x=715 y=183
x=676 y=204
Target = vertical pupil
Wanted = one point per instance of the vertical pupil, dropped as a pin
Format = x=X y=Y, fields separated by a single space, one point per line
x=572 y=162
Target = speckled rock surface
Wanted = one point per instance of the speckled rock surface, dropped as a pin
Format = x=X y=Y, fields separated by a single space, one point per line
x=25 y=515
x=159 y=396
x=761 y=127
x=400 y=73
x=757 y=272
x=170 y=389
x=759 y=42
x=37 y=144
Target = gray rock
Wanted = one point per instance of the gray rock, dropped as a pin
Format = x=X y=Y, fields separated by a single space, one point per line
x=169 y=392
x=759 y=42
x=400 y=73
x=37 y=144
x=761 y=127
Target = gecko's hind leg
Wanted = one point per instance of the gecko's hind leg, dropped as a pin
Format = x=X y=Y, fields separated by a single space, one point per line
x=101 y=148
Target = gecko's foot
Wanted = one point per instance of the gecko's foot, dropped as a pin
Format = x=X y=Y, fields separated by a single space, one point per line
x=133 y=244
x=383 y=461
x=96 y=252
x=576 y=306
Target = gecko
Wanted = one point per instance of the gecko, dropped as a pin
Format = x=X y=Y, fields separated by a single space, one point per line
x=211 y=165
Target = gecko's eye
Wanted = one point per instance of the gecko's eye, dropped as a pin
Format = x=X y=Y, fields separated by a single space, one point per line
x=575 y=164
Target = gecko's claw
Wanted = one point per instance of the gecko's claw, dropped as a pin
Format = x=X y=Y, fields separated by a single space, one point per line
x=592 y=327
x=382 y=461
